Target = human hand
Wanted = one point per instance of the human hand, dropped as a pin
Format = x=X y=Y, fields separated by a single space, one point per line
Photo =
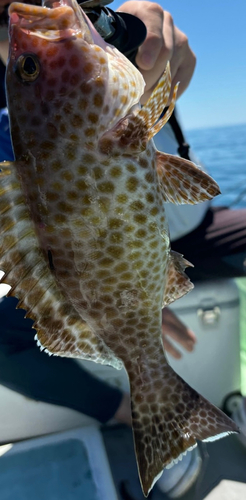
x=164 y=42
x=172 y=327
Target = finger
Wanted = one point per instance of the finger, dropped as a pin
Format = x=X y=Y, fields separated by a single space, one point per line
x=184 y=74
x=148 y=53
x=171 y=349
x=182 y=335
x=165 y=51
x=175 y=329
x=183 y=62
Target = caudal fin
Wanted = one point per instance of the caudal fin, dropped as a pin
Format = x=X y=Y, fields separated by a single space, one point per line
x=168 y=417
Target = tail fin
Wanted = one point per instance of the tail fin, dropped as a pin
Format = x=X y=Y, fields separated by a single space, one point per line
x=168 y=417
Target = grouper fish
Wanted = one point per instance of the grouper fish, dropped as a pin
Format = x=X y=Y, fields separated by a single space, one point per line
x=84 y=237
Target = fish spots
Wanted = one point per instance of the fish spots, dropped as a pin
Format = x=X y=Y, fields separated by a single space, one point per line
x=84 y=48
x=83 y=104
x=72 y=195
x=52 y=130
x=70 y=151
x=93 y=117
x=74 y=81
x=132 y=184
x=85 y=88
x=98 y=100
x=116 y=111
x=52 y=50
x=68 y=45
x=65 y=76
x=63 y=128
x=105 y=109
x=57 y=186
x=115 y=251
x=122 y=198
x=82 y=185
x=149 y=177
x=76 y=121
x=154 y=211
x=88 y=68
x=74 y=137
x=106 y=262
x=52 y=196
x=115 y=223
x=34 y=42
x=143 y=162
x=150 y=197
x=90 y=132
x=65 y=207
x=131 y=168
x=140 y=218
x=106 y=145
x=59 y=218
x=47 y=145
x=99 y=82
x=115 y=171
x=97 y=172
x=124 y=99
x=56 y=165
x=137 y=205
x=74 y=61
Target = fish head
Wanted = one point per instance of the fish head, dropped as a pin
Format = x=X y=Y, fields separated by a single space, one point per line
x=60 y=68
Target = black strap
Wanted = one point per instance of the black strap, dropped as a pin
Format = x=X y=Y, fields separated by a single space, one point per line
x=183 y=149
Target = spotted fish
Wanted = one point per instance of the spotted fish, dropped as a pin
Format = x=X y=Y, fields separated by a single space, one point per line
x=85 y=244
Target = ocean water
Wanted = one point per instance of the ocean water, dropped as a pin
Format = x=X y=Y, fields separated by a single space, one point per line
x=222 y=150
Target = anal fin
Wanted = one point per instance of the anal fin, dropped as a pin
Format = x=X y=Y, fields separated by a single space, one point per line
x=60 y=329
x=178 y=283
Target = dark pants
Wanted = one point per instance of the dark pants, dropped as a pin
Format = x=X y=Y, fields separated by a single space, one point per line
x=62 y=381
x=217 y=248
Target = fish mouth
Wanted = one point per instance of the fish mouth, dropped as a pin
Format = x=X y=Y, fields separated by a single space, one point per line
x=54 y=20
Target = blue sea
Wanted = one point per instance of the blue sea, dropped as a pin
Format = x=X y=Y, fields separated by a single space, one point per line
x=222 y=150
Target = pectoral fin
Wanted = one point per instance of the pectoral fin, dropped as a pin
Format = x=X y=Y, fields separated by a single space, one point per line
x=181 y=181
x=60 y=330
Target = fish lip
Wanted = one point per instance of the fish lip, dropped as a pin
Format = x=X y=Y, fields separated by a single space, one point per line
x=56 y=23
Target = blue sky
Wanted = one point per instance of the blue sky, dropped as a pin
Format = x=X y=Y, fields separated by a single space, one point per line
x=217 y=34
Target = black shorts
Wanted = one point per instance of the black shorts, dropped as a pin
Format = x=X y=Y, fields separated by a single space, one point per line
x=217 y=248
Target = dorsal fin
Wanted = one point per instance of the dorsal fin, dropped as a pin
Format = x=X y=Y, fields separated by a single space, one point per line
x=60 y=329
x=181 y=181
x=154 y=107
x=178 y=283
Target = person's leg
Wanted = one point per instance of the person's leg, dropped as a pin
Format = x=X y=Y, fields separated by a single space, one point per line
x=62 y=381
x=217 y=248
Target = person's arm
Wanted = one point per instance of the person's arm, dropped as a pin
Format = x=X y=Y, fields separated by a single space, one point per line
x=164 y=42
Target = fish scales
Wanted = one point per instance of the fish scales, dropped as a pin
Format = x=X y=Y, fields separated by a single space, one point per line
x=85 y=243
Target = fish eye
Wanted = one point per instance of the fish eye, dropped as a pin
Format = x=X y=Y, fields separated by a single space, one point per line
x=27 y=67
